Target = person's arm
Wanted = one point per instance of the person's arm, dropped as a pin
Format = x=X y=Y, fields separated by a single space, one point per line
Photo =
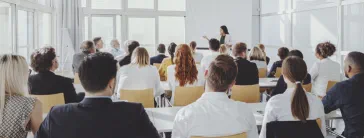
x=332 y=100
x=147 y=128
x=70 y=95
x=269 y=116
x=36 y=117
x=44 y=129
x=256 y=72
x=206 y=38
x=253 y=132
x=314 y=71
x=280 y=87
x=272 y=70
x=179 y=126
x=158 y=86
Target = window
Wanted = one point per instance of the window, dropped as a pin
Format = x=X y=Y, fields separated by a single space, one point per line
x=103 y=27
x=171 y=29
x=141 y=4
x=106 y=4
x=353 y=27
x=45 y=30
x=172 y=5
x=25 y=33
x=5 y=28
x=143 y=30
x=86 y=28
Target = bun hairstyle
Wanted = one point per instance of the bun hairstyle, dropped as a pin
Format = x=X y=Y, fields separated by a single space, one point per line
x=171 y=50
x=325 y=49
x=295 y=70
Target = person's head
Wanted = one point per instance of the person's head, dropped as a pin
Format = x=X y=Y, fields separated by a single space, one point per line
x=193 y=45
x=224 y=30
x=171 y=50
x=186 y=70
x=140 y=57
x=354 y=64
x=44 y=59
x=98 y=43
x=256 y=54
x=161 y=48
x=214 y=44
x=262 y=47
x=223 y=49
x=296 y=53
x=97 y=74
x=221 y=74
x=115 y=43
x=239 y=50
x=88 y=47
x=132 y=45
x=283 y=52
x=324 y=50
x=294 y=71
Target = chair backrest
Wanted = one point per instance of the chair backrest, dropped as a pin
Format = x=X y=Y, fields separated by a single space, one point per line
x=246 y=93
x=262 y=72
x=307 y=87
x=145 y=97
x=278 y=72
x=48 y=101
x=242 y=135
x=198 y=63
x=186 y=95
x=157 y=65
x=76 y=79
x=296 y=129
x=330 y=84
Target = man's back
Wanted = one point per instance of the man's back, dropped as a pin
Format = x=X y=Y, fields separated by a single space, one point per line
x=77 y=60
x=157 y=59
x=97 y=118
x=348 y=97
x=247 y=72
x=205 y=62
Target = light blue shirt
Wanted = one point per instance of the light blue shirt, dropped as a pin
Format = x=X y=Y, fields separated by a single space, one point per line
x=116 y=52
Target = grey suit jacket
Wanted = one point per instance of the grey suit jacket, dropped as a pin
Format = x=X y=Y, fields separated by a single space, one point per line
x=77 y=60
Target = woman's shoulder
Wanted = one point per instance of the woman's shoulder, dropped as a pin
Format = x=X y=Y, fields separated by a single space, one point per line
x=20 y=99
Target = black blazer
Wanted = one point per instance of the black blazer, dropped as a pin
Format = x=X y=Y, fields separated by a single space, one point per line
x=293 y=129
x=157 y=59
x=281 y=86
x=247 y=72
x=97 y=118
x=125 y=61
x=47 y=82
x=274 y=68
x=267 y=59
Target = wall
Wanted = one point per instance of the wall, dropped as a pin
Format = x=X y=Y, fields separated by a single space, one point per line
x=204 y=17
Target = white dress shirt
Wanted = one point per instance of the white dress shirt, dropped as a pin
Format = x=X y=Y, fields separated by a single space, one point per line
x=197 y=57
x=133 y=77
x=260 y=64
x=278 y=108
x=321 y=72
x=173 y=83
x=214 y=115
x=206 y=61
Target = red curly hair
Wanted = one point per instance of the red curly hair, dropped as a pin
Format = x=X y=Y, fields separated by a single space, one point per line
x=186 y=70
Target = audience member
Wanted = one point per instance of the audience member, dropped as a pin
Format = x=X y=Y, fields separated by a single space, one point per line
x=294 y=104
x=184 y=72
x=99 y=44
x=214 y=46
x=347 y=96
x=209 y=115
x=223 y=50
x=132 y=45
x=18 y=113
x=197 y=56
x=167 y=62
x=159 y=58
x=282 y=53
x=44 y=62
x=247 y=71
x=87 y=47
x=257 y=56
x=281 y=86
x=139 y=74
x=116 y=51
x=262 y=47
x=325 y=69
x=97 y=115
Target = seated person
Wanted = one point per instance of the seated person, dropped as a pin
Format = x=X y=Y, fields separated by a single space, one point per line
x=223 y=50
x=209 y=115
x=214 y=46
x=167 y=62
x=257 y=56
x=282 y=53
x=87 y=47
x=262 y=47
x=115 y=50
x=97 y=116
x=247 y=71
x=348 y=96
x=99 y=43
x=44 y=61
x=159 y=58
x=294 y=104
x=132 y=45
x=196 y=55
x=281 y=85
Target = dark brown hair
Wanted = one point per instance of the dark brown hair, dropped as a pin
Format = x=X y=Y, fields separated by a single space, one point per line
x=41 y=59
x=283 y=52
x=221 y=73
x=325 y=49
x=193 y=45
x=239 y=48
x=97 y=39
x=186 y=71
x=132 y=46
x=86 y=46
x=171 y=50
x=161 y=48
x=295 y=70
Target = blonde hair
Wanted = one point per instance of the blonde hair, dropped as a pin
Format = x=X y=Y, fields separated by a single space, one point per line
x=223 y=49
x=256 y=54
x=140 y=56
x=14 y=73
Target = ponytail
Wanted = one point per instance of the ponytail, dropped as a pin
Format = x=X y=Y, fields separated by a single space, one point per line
x=299 y=107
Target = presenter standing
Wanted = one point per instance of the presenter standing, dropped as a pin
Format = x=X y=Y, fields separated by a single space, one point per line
x=225 y=37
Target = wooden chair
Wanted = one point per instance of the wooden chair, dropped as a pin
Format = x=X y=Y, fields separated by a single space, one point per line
x=186 y=95
x=76 y=79
x=330 y=84
x=246 y=93
x=307 y=87
x=278 y=72
x=157 y=65
x=262 y=73
x=48 y=101
x=243 y=135
x=145 y=97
